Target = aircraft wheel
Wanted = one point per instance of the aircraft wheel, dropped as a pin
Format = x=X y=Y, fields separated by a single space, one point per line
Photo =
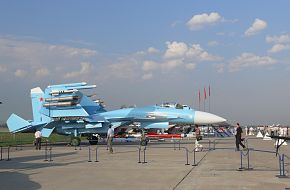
x=75 y=141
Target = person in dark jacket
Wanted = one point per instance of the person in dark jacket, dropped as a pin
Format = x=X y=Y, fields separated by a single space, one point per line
x=238 y=136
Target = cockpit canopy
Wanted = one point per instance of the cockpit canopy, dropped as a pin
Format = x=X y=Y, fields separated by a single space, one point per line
x=174 y=105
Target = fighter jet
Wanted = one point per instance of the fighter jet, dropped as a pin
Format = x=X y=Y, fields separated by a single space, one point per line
x=66 y=110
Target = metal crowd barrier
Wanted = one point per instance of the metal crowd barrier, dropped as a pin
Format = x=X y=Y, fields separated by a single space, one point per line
x=48 y=150
x=281 y=159
x=8 y=153
x=187 y=151
x=90 y=150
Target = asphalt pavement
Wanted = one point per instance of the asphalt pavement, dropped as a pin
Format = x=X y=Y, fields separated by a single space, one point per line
x=165 y=167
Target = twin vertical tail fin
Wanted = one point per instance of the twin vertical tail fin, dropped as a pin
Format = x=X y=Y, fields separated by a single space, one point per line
x=18 y=124
x=36 y=101
x=58 y=101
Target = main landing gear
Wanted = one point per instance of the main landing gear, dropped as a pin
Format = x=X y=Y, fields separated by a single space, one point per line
x=75 y=141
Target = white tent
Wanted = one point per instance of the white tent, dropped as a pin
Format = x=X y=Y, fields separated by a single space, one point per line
x=259 y=135
x=279 y=141
x=266 y=137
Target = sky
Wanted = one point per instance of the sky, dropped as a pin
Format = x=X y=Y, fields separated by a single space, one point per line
x=148 y=52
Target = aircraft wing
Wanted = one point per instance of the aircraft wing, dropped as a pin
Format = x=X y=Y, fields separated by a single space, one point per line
x=147 y=118
x=146 y=123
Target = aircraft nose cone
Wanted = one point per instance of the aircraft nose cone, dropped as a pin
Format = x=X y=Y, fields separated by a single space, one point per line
x=204 y=118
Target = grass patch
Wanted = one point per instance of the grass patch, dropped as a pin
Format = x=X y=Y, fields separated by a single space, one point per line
x=9 y=139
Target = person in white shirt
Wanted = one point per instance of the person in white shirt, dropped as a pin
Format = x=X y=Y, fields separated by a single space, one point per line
x=198 y=147
x=37 y=136
x=110 y=136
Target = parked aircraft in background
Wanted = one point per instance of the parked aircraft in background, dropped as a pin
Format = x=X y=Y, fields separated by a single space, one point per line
x=66 y=110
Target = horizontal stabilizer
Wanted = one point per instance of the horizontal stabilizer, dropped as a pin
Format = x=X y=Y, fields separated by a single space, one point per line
x=17 y=124
x=46 y=132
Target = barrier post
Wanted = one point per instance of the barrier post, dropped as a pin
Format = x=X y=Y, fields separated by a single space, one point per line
x=186 y=156
x=144 y=155
x=241 y=168
x=50 y=154
x=249 y=160
x=89 y=154
x=45 y=151
x=1 y=154
x=282 y=167
x=174 y=144
x=96 y=154
x=194 y=163
x=209 y=148
x=8 y=154
x=179 y=144
x=139 y=148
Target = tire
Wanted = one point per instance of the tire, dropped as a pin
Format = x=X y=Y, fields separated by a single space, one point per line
x=75 y=141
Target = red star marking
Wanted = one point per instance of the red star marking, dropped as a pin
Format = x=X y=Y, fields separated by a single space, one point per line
x=41 y=99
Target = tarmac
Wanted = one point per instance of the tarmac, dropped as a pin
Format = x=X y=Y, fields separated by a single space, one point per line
x=165 y=167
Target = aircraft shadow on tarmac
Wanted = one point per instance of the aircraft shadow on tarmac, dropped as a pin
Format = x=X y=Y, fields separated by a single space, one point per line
x=24 y=163
x=14 y=180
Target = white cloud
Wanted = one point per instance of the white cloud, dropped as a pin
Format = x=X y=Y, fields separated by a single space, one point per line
x=3 y=68
x=152 y=50
x=278 y=39
x=190 y=66
x=256 y=27
x=197 y=22
x=31 y=50
x=198 y=53
x=279 y=47
x=42 y=59
x=246 y=60
x=180 y=50
x=86 y=67
x=220 y=68
x=124 y=68
x=149 y=65
x=281 y=43
x=175 y=49
x=20 y=73
x=147 y=76
x=72 y=52
x=43 y=72
x=171 y=64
